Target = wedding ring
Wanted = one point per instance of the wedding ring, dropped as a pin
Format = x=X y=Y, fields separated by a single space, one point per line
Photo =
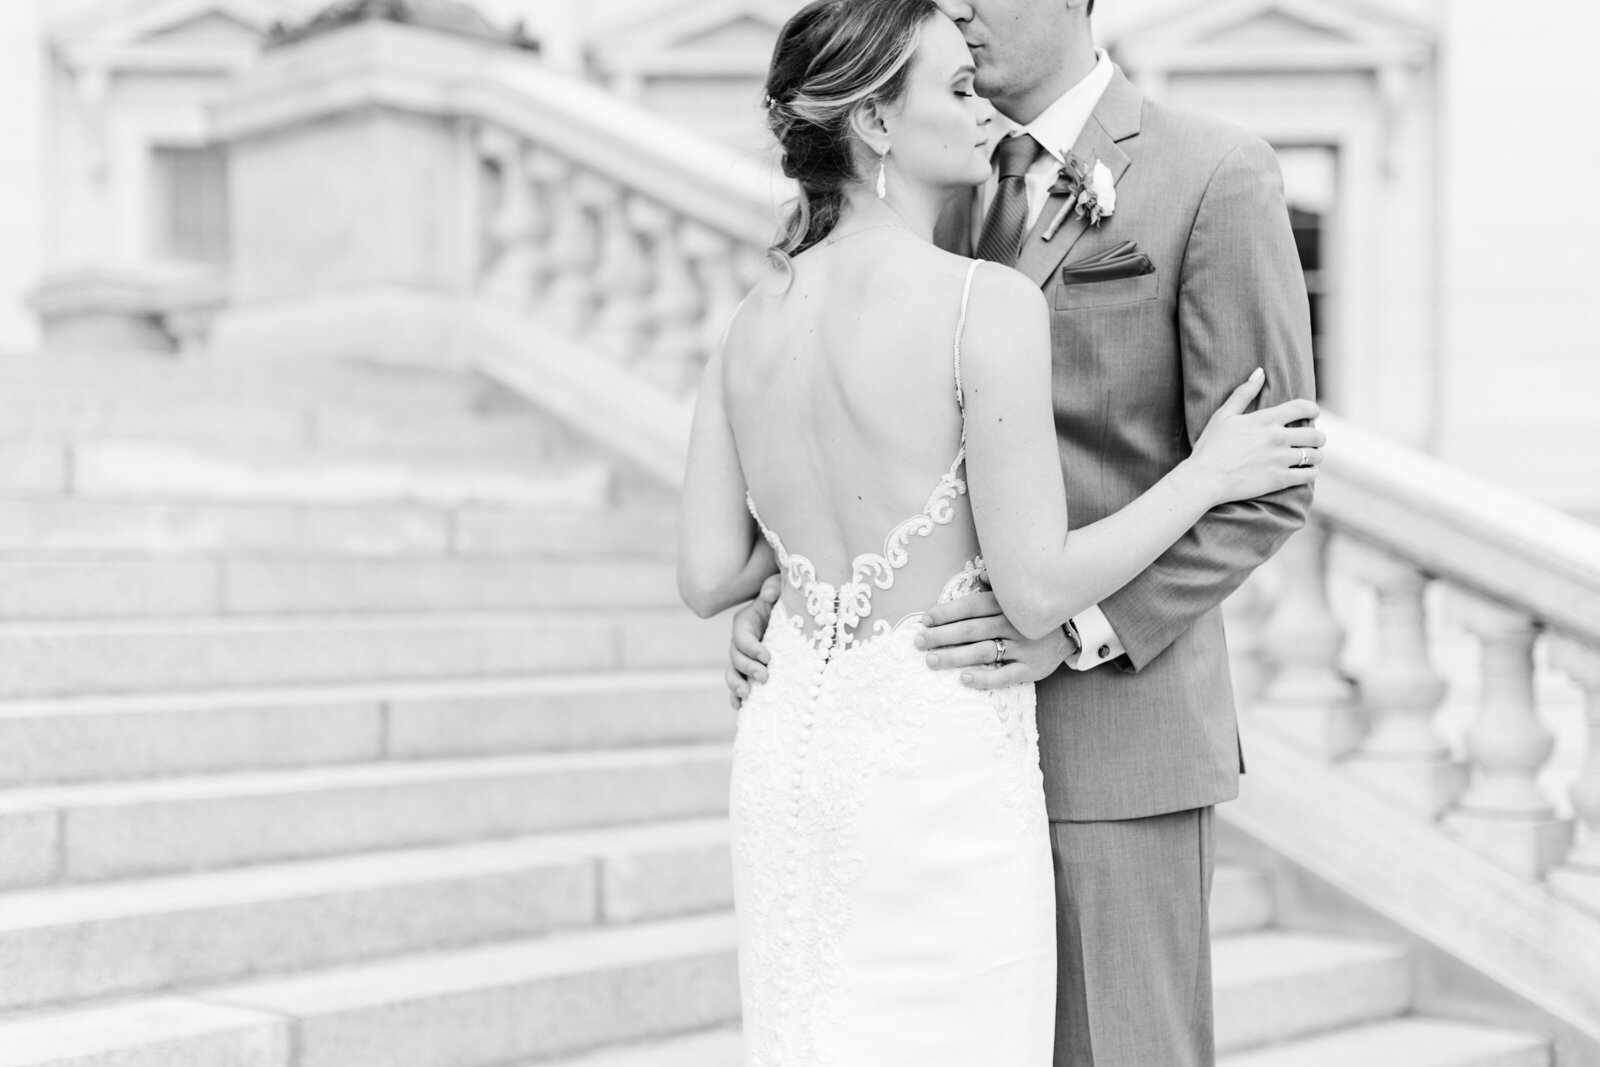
x=999 y=649
x=1304 y=460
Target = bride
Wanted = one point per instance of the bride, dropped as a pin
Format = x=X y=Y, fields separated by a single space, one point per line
x=878 y=428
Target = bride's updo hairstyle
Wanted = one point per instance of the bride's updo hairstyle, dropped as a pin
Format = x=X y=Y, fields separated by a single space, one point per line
x=833 y=57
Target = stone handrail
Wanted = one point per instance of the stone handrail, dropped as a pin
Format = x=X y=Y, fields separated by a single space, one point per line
x=633 y=236
x=1463 y=839
x=1476 y=535
x=1515 y=575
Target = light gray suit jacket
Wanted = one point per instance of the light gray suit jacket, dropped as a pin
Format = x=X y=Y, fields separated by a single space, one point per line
x=1140 y=365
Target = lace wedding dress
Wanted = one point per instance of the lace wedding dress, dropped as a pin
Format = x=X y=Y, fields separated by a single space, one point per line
x=891 y=851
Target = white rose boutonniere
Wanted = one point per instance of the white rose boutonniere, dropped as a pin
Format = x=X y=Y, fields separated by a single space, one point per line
x=1089 y=191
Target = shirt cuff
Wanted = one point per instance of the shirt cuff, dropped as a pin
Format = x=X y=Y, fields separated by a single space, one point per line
x=1097 y=641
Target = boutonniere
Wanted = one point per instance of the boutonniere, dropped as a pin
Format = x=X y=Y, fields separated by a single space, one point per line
x=1089 y=191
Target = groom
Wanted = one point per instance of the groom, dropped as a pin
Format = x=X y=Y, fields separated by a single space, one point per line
x=1187 y=282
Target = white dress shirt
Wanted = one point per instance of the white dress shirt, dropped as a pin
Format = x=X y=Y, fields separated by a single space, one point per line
x=1057 y=128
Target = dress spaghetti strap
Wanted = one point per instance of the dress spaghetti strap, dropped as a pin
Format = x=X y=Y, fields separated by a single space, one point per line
x=961 y=328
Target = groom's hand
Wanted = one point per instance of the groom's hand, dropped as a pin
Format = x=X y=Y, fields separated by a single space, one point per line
x=747 y=656
x=962 y=633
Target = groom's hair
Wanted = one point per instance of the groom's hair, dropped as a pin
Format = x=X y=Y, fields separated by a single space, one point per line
x=833 y=57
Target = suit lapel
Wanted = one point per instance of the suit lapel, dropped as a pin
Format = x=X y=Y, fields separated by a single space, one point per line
x=1116 y=118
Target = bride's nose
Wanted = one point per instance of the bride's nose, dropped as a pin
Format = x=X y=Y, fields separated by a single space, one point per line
x=954 y=11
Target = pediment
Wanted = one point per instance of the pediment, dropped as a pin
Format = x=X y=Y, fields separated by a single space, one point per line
x=695 y=27
x=739 y=34
x=1277 y=29
x=210 y=26
x=173 y=21
x=1346 y=31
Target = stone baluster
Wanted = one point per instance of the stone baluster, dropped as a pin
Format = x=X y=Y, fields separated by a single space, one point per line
x=1504 y=811
x=1308 y=699
x=715 y=260
x=622 y=276
x=512 y=253
x=547 y=174
x=1403 y=755
x=1580 y=874
x=677 y=307
x=569 y=297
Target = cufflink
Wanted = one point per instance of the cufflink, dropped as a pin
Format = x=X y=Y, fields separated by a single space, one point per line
x=1105 y=650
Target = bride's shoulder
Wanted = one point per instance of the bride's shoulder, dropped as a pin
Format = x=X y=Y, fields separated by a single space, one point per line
x=1007 y=316
x=1001 y=295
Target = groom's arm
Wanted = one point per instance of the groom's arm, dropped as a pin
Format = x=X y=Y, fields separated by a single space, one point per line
x=1241 y=304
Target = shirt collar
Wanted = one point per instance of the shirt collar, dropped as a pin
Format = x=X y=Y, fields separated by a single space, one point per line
x=1058 y=127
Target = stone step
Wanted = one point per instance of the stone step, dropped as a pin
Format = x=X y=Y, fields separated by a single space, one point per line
x=511 y=1002
x=121 y=588
x=619 y=994
x=212 y=732
x=160 y=1032
x=135 y=468
x=1409 y=1042
x=79 y=943
x=168 y=528
x=1276 y=986
x=124 y=375
x=1241 y=900
x=111 y=830
x=56 y=418
x=717 y=1048
x=80 y=658
x=332 y=428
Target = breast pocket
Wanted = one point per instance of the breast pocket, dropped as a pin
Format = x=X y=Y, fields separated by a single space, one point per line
x=1108 y=294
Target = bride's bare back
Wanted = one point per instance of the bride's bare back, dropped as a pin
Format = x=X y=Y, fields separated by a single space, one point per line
x=840 y=391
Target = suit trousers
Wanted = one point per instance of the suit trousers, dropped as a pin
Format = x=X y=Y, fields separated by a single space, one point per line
x=1134 y=940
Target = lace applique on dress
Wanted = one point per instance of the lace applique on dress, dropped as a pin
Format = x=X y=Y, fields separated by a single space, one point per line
x=837 y=610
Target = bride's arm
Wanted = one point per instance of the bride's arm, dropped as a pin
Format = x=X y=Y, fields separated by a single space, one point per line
x=722 y=557
x=1042 y=571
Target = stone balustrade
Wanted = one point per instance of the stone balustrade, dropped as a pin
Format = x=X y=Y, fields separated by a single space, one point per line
x=634 y=237
x=602 y=260
x=1516 y=575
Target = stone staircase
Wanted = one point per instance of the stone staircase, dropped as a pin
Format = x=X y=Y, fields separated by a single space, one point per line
x=350 y=720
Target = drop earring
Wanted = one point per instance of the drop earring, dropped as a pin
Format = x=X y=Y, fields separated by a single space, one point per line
x=883 y=185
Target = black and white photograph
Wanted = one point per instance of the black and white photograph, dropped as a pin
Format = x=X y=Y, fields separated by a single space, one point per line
x=799 y=533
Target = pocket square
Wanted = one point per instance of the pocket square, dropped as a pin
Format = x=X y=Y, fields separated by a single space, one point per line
x=1123 y=261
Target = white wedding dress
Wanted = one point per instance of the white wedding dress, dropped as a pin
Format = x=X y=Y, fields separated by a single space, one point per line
x=891 y=850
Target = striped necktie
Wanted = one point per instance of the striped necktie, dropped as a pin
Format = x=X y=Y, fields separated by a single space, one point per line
x=1007 y=220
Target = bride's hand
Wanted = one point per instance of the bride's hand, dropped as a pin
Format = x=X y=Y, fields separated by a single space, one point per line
x=1244 y=455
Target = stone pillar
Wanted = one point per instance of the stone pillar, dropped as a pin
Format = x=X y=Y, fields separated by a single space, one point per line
x=1308 y=699
x=1404 y=756
x=1504 y=810
x=354 y=188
